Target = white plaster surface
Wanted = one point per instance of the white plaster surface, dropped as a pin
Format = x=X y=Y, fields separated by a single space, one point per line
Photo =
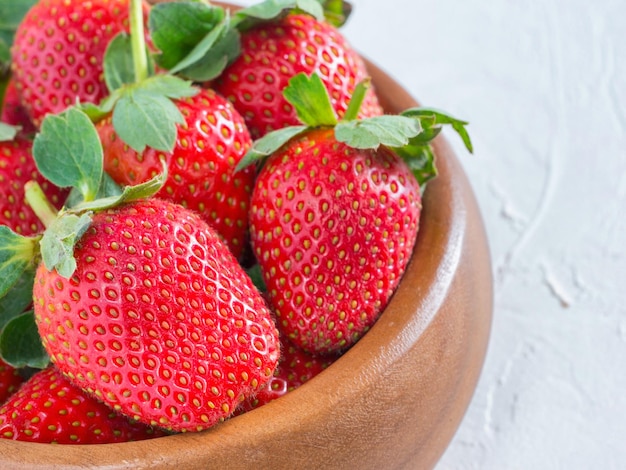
x=543 y=83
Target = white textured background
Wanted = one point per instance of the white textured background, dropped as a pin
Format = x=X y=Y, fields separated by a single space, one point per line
x=543 y=83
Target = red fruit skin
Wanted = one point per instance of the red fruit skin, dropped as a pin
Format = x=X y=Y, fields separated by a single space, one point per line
x=17 y=167
x=13 y=112
x=274 y=52
x=201 y=168
x=158 y=321
x=49 y=409
x=333 y=229
x=10 y=380
x=58 y=51
x=295 y=368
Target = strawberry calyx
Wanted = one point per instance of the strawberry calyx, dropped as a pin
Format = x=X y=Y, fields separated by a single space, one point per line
x=409 y=134
x=68 y=153
x=140 y=100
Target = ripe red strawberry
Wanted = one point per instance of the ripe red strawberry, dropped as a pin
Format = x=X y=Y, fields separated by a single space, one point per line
x=13 y=112
x=49 y=409
x=335 y=211
x=294 y=369
x=158 y=320
x=58 y=52
x=333 y=228
x=10 y=380
x=17 y=167
x=275 y=51
x=201 y=167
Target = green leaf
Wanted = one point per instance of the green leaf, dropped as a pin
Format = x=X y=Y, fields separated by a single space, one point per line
x=270 y=9
x=213 y=54
x=144 y=119
x=129 y=194
x=119 y=68
x=20 y=343
x=68 y=152
x=169 y=86
x=177 y=28
x=436 y=118
x=18 y=298
x=266 y=10
x=59 y=239
x=254 y=272
x=337 y=12
x=96 y=112
x=310 y=99
x=312 y=7
x=421 y=160
x=389 y=130
x=7 y=132
x=16 y=255
x=108 y=188
x=144 y=115
x=268 y=144
x=11 y=14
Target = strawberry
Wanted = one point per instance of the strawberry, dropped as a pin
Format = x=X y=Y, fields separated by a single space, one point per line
x=16 y=168
x=13 y=112
x=294 y=369
x=158 y=320
x=209 y=144
x=274 y=51
x=335 y=213
x=49 y=409
x=10 y=380
x=58 y=51
x=136 y=299
x=333 y=228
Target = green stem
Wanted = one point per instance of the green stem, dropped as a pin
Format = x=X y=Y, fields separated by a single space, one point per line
x=39 y=203
x=357 y=99
x=138 y=41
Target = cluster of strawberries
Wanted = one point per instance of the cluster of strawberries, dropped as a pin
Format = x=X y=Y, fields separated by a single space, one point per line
x=200 y=210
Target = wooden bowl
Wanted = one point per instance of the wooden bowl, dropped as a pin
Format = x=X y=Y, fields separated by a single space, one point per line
x=392 y=401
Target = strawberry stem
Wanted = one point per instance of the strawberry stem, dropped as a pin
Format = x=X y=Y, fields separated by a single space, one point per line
x=357 y=99
x=39 y=203
x=138 y=41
